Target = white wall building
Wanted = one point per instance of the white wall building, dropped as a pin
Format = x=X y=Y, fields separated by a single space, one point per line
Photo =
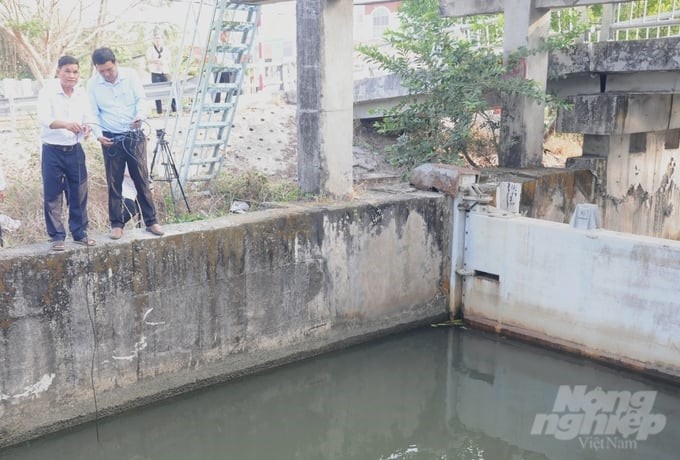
x=273 y=66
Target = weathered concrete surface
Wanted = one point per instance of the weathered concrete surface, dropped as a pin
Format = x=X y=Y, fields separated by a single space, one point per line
x=324 y=96
x=641 y=191
x=374 y=95
x=636 y=66
x=549 y=194
x=603 y=294
x=661 y=54
x=442 y=177
x=636 y=193
x=521 y=133
x=611 y=113
x=630 y=139
x=631 y=142
x=149 y=317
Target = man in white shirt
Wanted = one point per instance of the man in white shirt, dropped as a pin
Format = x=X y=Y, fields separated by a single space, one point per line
x=158 y=59
x=64 y=116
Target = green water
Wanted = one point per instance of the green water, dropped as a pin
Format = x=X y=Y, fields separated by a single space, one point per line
x=430 y=394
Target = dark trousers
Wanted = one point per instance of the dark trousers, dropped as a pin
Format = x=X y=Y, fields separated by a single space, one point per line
x=64 y=172
x=130 y=150
x=157 y=78
x=222 y=77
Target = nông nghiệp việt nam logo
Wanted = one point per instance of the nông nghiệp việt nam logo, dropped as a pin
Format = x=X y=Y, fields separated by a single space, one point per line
x=611 y=416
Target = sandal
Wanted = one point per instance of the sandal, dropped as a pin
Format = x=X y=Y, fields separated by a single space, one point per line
x=57 y=245
x=84 y=241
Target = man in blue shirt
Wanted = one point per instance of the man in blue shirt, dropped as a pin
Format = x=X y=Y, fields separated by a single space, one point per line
x=117 y=98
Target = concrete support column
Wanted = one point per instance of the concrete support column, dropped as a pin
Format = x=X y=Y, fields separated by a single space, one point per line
x=598 y=145
x=325 y=96
x=521 y=118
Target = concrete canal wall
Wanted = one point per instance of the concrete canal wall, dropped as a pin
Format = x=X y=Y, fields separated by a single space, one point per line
x=142 y=318
x=608 y=295
x=139 y=319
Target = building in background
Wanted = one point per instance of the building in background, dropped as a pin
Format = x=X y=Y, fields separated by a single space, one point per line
x=273 y=63
x=371 y=19
x=274 y=52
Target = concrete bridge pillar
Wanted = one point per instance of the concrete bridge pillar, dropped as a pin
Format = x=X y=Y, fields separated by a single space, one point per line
x=638 y=136
x=521 y=118
x=325 y=96
x=527 y=24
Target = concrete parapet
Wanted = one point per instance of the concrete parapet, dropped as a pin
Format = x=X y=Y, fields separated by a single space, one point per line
x=636 y=66
x=549 y=194
x=636 y=193
x=378 y=88
x=374 y=95
x=609 y=114
x=149 y=317
x=662 y=54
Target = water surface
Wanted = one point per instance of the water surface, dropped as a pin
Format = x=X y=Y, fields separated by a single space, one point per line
x=436 y=393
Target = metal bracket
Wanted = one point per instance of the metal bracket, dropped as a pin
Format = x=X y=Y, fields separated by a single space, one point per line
x=472 y=196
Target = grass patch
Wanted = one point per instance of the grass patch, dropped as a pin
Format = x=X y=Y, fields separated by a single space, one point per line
x=256 y=188
x=251 y=187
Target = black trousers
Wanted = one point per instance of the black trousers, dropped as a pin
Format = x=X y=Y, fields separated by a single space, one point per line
x=157 y=78
x=222 y=77
x=128 y=149
x=64 y=173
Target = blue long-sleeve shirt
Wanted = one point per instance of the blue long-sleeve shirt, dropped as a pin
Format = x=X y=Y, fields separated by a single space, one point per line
x=117 y=104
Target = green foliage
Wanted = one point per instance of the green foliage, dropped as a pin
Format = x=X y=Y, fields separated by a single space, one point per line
x=486 y=29
x=32 y=28
x=566 y=26
x=449 y=82
x=630 y=11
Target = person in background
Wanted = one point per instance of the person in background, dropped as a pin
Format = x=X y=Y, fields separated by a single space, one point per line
x=117 y=100
x=130 y=207
x=158 y=60
x=2 y=186
x=64 y=115
x=222 y=77
x=2 y=198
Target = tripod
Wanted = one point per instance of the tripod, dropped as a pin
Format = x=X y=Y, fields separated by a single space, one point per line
x=169 y=169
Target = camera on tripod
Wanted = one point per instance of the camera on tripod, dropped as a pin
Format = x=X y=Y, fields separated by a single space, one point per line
x=170 y=173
